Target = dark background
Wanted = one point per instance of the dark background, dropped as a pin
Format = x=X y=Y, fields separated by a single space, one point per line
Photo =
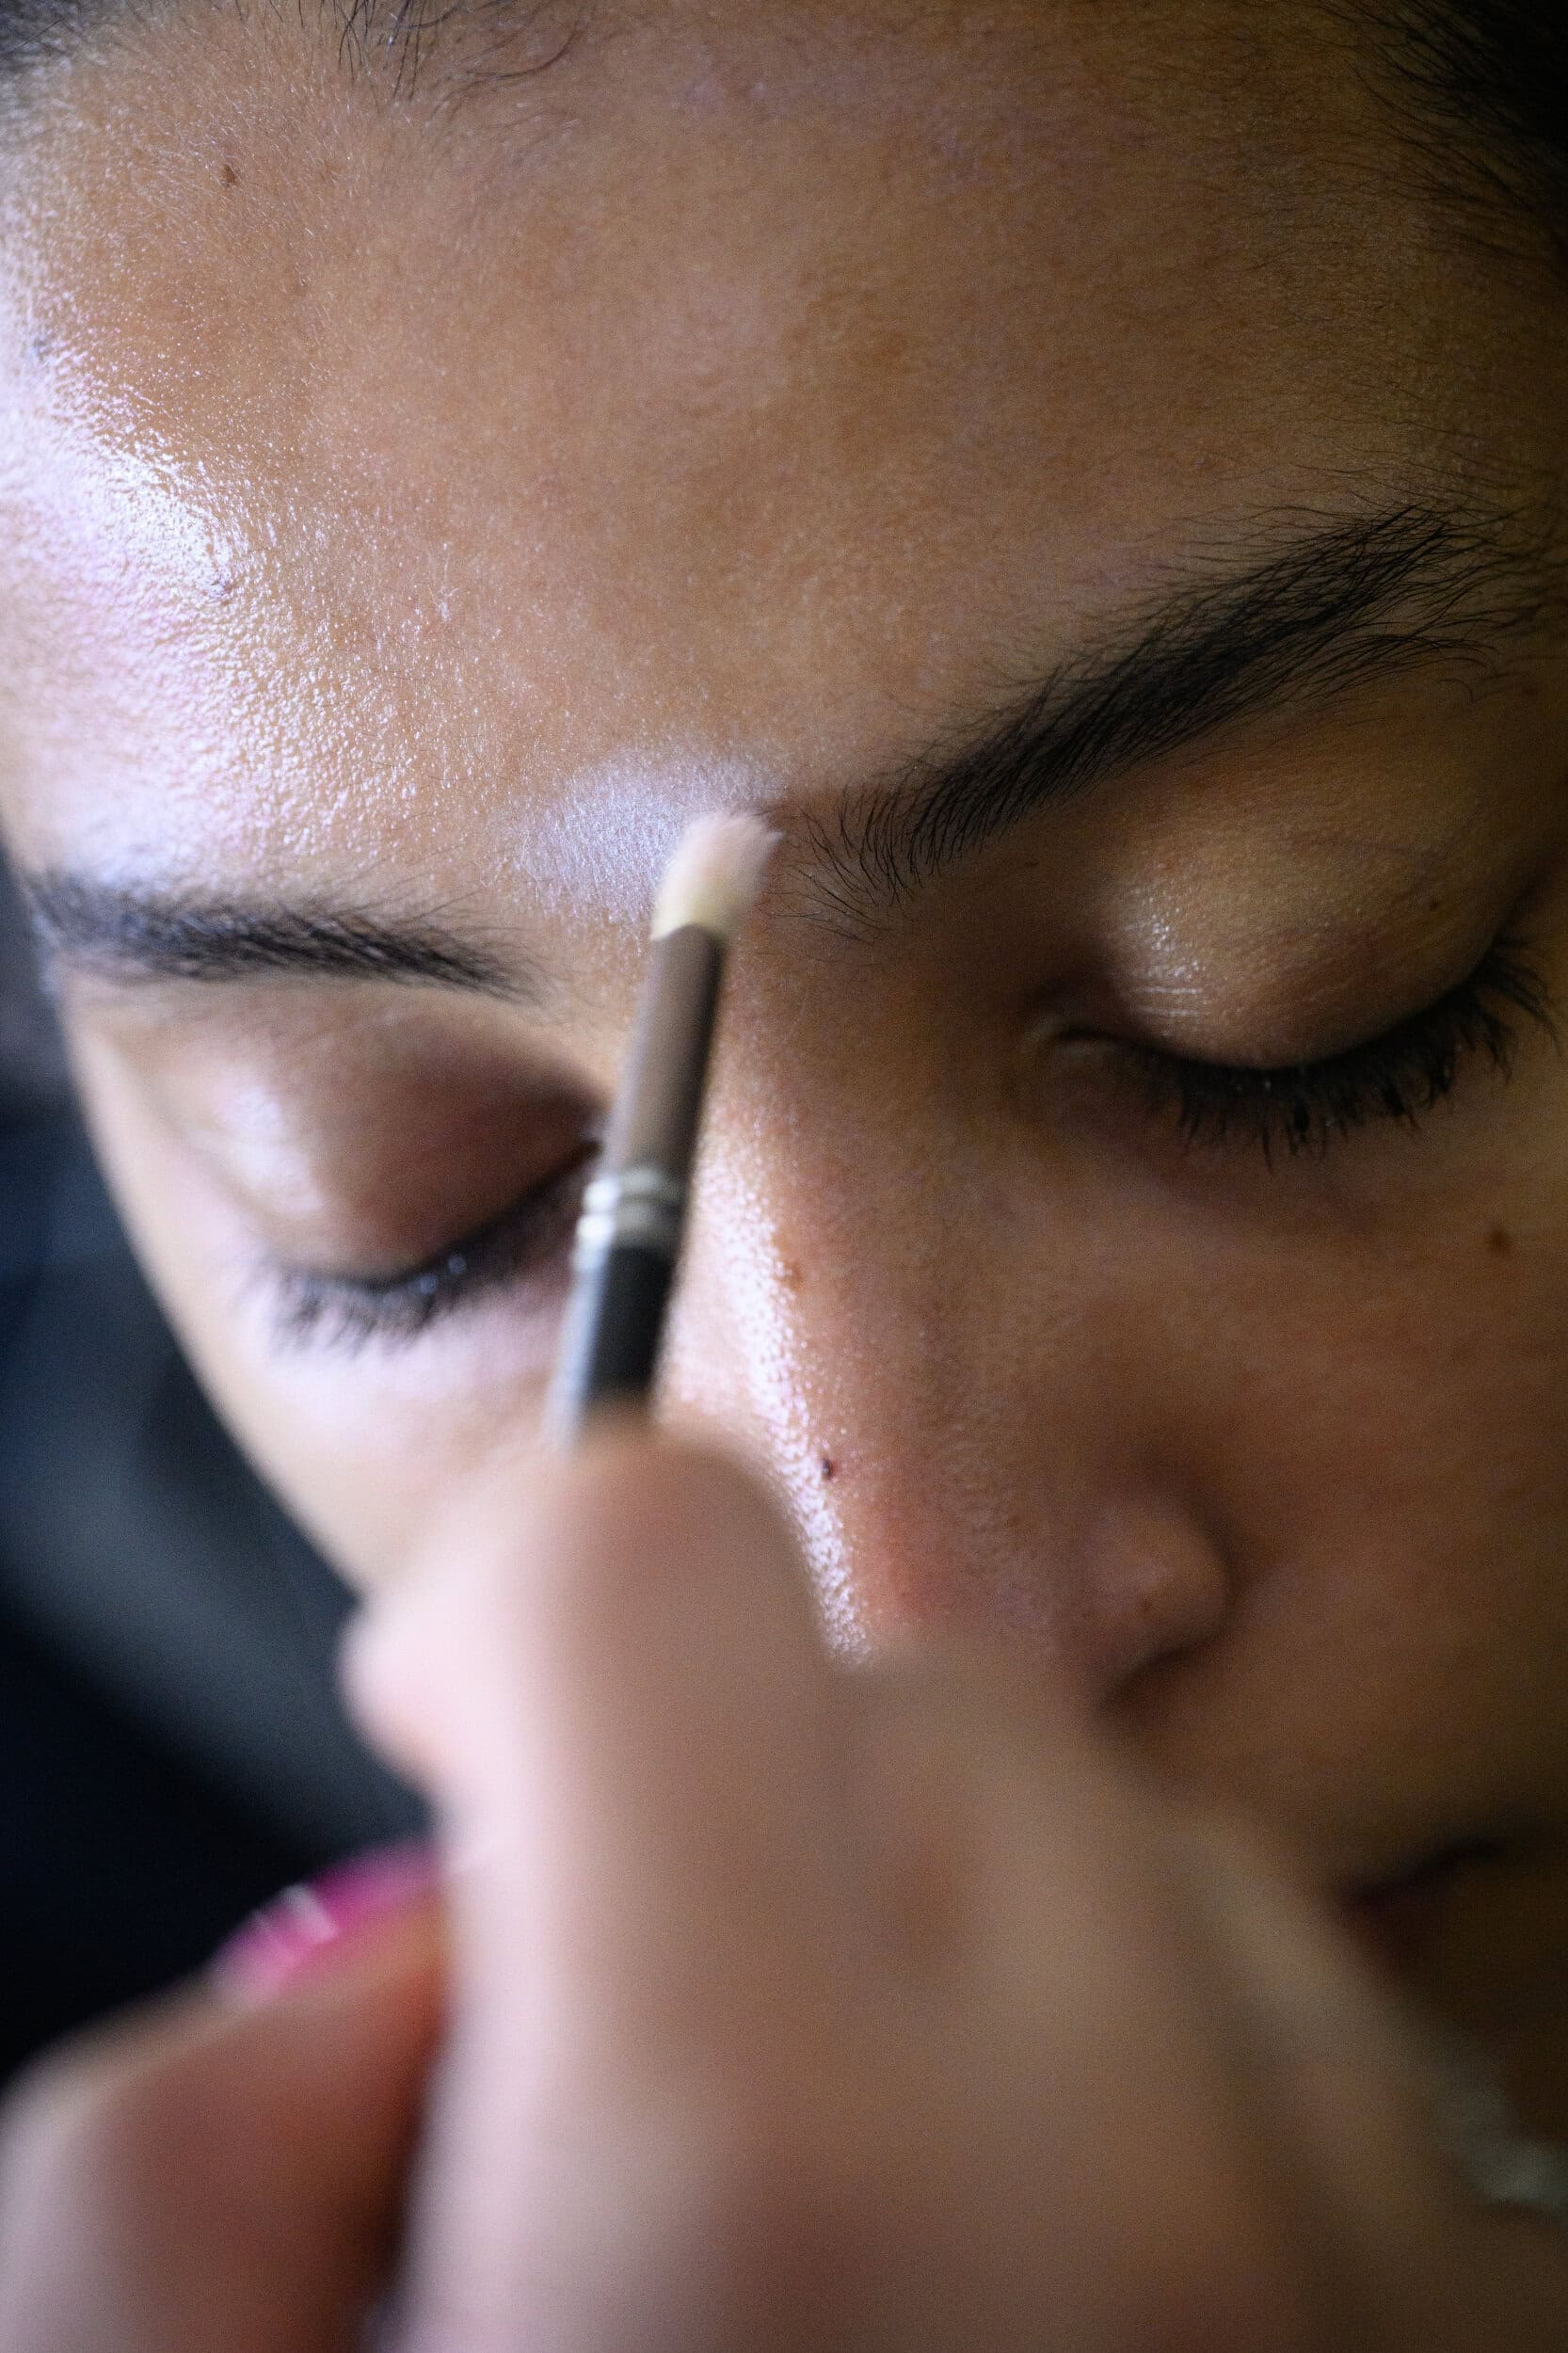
x=172 y=1750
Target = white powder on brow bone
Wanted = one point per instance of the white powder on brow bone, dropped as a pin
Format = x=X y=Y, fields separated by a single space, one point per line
x=602 y=846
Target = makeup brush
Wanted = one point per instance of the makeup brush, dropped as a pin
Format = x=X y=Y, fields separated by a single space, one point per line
x=634 y=1213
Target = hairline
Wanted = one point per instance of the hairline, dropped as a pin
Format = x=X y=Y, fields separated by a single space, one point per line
x=1469 y=144
x=1505 y=183
x=453 y=44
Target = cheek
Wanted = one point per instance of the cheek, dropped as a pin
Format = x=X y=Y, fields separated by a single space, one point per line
x=368 y=1453
x=1386 y=1435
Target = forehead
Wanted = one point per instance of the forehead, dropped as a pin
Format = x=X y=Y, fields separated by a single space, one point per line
x=425 y=482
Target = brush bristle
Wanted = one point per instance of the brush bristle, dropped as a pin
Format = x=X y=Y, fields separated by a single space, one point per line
x=714 y=875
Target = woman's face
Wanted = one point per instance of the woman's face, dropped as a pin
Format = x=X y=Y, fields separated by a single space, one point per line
x=1063 y=463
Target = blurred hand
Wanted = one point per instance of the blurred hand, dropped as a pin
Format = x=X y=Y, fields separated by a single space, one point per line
x=790 y=2009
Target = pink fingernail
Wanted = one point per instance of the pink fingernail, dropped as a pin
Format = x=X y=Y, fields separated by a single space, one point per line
x=313 y=1925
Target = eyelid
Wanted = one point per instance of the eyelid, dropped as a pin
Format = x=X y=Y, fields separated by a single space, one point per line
x=529 y=1239
x=1397 y=1076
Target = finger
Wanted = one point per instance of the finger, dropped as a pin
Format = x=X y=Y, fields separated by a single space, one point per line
x=1013 y=1852
x=1354 y=2084
x=615 y=1687
x=210 y=2175
x=1166 y=2200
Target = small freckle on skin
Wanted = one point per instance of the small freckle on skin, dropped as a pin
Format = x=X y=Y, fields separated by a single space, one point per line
x=1499 y=1241
x=830 y=1467
x=230 y=176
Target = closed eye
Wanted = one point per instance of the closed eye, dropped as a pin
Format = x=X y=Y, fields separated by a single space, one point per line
x=528 y=1243
x=1304 y=1108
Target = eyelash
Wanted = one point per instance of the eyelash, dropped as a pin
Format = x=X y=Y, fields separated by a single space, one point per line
x=1301 y=1110
x=529 y=1241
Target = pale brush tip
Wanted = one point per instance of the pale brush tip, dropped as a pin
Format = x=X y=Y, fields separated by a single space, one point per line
x=714 y=875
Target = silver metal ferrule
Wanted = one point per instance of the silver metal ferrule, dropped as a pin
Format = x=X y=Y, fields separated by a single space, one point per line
x=645 y=1207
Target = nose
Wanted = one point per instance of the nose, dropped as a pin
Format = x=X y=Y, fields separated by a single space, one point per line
x=956 y=1402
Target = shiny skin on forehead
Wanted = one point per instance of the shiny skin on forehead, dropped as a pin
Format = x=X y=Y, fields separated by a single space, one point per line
x=390 y=477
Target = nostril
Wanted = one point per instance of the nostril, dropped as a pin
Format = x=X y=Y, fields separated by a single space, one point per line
x=1156 y=1583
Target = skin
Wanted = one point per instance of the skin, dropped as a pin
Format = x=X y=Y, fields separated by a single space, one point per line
x=430 y=505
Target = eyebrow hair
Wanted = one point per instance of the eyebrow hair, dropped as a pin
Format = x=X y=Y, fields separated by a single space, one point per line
x=118 y=932
x=1339 y=605
x=1343 y=603
x=469 y=43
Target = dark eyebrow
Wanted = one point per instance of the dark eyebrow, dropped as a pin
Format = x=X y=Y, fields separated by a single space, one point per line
x=120 y=933
x=1340 y=605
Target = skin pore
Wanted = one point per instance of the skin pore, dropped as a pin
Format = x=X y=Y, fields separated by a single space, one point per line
x=413 y=507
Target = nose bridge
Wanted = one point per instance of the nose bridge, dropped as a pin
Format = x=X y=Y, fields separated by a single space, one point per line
x=932 y=1404
x=810 y=1325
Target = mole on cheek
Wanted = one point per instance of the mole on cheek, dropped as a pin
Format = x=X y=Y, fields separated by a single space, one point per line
x=830 y=1467
x=1499 y=1241
x=229 y=176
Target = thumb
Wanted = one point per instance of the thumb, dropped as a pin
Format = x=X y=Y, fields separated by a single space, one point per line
x=216 y=2173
